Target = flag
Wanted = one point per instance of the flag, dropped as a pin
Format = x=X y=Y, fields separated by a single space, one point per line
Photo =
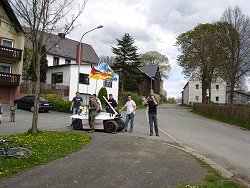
x=105 y=68
x=96 y=74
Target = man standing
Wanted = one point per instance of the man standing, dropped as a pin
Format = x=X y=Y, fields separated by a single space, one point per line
x=76 y=103
x=112 y=102
x=130 y=114
x=93 y=108
x=98 y=102
x=152 y=114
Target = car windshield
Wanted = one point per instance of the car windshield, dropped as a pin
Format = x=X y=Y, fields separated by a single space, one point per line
x=41 y=99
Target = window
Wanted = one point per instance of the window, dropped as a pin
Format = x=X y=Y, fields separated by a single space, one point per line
x=67 y=61
x=83 y=78
x=57 y=77
x=197 y=86
x=5 y=68
x=55 y=61
x=217 y=87
x=217 y=99
x=196 y=98
x=7 y=43
x=107 y=83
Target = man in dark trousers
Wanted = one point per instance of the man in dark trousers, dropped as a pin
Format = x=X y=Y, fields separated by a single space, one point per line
x=112 y=102
x=152 y=114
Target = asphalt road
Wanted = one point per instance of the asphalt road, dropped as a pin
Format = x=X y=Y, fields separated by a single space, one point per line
x=109 y=160
x=227 y=145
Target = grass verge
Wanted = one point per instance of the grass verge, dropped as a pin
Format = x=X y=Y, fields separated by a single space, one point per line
x=212 y=180
x=45 y=146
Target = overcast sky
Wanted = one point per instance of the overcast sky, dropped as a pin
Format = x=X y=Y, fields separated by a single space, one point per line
x=153 y=24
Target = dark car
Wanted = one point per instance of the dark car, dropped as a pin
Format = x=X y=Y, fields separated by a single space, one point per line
x=27 y=103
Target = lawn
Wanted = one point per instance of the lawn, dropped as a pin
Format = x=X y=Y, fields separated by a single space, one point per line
x=45 y=146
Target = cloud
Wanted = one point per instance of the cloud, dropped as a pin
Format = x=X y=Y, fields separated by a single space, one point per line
x=153 y=24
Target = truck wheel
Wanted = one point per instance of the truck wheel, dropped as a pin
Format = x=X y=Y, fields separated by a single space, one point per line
x=111 y=126
x=120 y=123
x=77 y=124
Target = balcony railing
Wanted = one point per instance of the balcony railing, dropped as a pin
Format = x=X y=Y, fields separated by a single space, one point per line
x=9 y=79
x=11 y=53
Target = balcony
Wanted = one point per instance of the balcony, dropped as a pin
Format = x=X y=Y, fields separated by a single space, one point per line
x=9 y=79
x=10 y=53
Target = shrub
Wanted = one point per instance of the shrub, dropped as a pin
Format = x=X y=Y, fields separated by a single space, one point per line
x=135 y=97
x=61 y=105
x=50 y=97
x=103 y=92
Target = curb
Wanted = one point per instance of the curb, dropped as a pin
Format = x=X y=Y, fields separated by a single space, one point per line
x=224 y=172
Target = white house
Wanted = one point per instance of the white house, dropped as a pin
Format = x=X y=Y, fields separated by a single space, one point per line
x=63 y=68
x=192 y=92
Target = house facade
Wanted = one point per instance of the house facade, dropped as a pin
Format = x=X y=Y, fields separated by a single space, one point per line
x=238 y=98
x=11 y=53
x=63 y=68
x=192 y=92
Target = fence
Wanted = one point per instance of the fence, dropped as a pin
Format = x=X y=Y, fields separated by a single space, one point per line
x=28 y=88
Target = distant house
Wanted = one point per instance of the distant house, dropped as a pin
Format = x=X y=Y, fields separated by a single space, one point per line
x=238 y=98
x=11 y=53
x=192 y=92
x=63 y=68
x=152 y=80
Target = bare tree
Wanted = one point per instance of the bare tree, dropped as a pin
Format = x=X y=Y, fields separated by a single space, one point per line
x=42 y=17
x=236 y=36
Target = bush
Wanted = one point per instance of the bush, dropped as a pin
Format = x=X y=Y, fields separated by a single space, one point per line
x=50 y=97
x=135 y=97
x=61 y=105
x=103 y=92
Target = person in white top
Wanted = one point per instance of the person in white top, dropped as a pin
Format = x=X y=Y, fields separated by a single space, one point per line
x=130 y=114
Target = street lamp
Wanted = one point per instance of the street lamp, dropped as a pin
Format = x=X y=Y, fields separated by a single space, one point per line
x=80 y=52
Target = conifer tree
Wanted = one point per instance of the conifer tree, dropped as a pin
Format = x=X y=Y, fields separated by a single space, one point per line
x=126 y=62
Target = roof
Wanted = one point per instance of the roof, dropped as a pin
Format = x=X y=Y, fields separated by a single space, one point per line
x=11 y=15
x=149 y=70
x=66 y=48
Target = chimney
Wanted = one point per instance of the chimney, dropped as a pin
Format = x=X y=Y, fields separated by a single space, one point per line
x=61 y=35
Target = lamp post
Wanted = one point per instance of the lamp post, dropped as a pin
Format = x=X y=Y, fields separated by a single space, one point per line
x=80 y=52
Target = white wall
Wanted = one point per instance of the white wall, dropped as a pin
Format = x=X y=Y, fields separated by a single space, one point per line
x=70 y=77
x=190 y=92
x=186 y=94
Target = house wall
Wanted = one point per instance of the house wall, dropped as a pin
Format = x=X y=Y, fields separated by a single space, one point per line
x=185 y=94
x=7 y=31
x=239 y=98
x=191 y=94
x=221 y=92
x=70 y=77
x=194 y=94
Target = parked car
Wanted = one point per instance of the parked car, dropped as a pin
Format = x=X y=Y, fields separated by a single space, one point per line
x=27 y=102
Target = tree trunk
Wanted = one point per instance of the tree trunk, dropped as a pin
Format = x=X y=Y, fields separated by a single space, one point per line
x=232 y=92
x=37 y=92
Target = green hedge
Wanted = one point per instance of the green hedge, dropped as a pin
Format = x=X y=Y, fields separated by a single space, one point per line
x=58 y=104
x=123 y=98
x=61 y=105
x=234 y=114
